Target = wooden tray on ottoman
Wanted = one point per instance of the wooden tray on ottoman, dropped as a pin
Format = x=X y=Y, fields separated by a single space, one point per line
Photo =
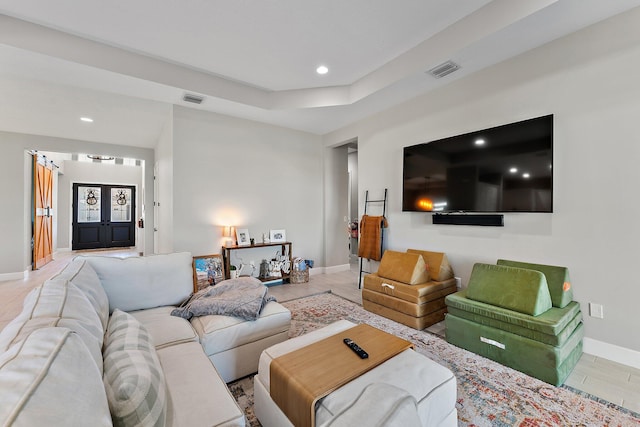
x=301 y=377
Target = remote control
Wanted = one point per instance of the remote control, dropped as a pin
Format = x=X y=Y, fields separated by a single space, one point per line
x=356 y=349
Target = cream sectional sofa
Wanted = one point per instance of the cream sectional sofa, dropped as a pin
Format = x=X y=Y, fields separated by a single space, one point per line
x=96 y=345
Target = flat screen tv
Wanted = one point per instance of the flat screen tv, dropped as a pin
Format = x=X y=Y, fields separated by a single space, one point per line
x=506 y=168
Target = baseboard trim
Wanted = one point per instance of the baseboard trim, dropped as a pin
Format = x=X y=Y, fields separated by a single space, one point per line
x=13 y=276
x=316 y=270
x=337 y=268
x=62 y=250
x=612 y=352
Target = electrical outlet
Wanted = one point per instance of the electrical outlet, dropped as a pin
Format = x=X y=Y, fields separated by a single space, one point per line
x=596 y=310
x=458 y=282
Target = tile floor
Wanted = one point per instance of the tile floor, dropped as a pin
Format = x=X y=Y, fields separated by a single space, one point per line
x=608 y=380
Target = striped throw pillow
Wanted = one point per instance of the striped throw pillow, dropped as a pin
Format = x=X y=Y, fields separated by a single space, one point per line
x=133 y=377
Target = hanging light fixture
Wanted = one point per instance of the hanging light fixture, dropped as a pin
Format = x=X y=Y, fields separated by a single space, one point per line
x=424 y=202
x=100 y=158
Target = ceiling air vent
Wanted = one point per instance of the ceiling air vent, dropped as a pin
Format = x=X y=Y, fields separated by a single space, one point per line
x=196 y=99
x=443 y=69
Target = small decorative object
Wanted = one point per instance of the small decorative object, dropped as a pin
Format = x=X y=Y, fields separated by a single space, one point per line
x=353 y=229
x=277 y=236
x=286 y=266
x=121 y=198
x=233 y=272
x=274 y=268
x=91 y=198
x=242 y=236
x=207 y=271
x=228 y=232
x=252 y=240
x=264 y=269
x=299 y=276
x=265 y=238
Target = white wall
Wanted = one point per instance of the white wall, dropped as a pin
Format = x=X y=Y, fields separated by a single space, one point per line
x=92 y=173
x=589 y=81
x=229 y=171
x=164 y=177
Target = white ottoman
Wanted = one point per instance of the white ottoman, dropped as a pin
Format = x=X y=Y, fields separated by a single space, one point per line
x=234 y=345
x=433 y=386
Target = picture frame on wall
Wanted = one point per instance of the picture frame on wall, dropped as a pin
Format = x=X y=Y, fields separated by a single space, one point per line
x=242 y=237
x=277 y=236
x=207 y=271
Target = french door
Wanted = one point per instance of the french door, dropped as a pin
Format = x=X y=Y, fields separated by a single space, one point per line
x=103 y=216
x=42 y=211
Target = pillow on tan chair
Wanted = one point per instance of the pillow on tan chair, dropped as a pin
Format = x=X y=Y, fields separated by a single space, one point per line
x=437 y=264
x=409 y=268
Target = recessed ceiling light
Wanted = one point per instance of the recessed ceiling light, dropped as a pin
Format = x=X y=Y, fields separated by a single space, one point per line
x=513 y=170
x=479 y=141
x=322 y=70
x=525 y=175
x=86 y=119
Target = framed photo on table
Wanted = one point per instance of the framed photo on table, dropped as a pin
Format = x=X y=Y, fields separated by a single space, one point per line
x=242 y=237
x=207 y=271
x=277 y=236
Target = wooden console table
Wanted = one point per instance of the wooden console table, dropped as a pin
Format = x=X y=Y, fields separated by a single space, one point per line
x=285 y=250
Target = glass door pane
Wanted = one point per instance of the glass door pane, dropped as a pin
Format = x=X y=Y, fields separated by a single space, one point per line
x=120 y=205
x=89 y=204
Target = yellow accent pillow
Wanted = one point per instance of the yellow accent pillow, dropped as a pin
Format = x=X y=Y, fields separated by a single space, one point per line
x=403 y=267
x=437 y=264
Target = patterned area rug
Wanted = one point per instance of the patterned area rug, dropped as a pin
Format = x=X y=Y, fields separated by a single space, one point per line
x=489 y=394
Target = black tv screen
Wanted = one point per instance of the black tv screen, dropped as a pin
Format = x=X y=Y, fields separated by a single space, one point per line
x=507 y=168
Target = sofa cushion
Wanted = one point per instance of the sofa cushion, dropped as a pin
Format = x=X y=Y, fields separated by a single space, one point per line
x=39 y=388
x=403 y=267
x=516 y=289
x=219 y=333
x=133 y=376
x=57 y=303
x=437 y=264
x=548 y=363
x=417 y=294
x=164 y=328
x=557 y=279
x=137 y=283
x=198 y=395
x=551 y=327
x=84 y=277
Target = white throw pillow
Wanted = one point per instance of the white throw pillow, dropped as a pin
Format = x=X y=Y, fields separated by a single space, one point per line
x=49 y=379
x=57 y=303
x=137 y=283
x=81 y=274
x=133 y=376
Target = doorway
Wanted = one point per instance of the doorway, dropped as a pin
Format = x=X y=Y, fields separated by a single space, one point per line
x=354 y=225
x=103 y=216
